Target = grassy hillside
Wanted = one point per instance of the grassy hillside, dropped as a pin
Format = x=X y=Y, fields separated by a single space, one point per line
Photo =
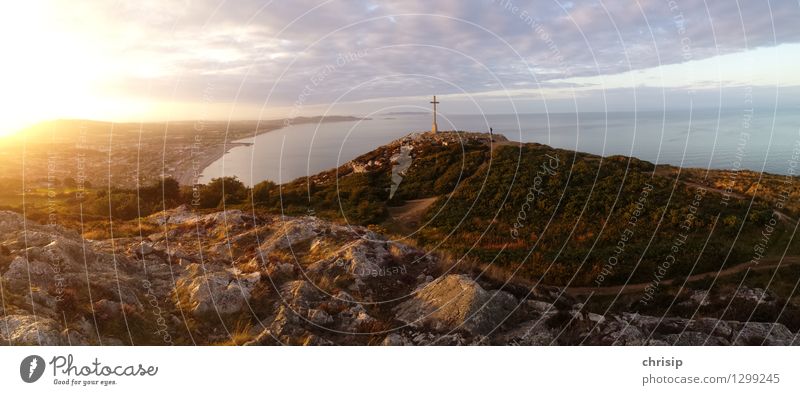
x=512 y=212
x=582 y=220
x=568 y=223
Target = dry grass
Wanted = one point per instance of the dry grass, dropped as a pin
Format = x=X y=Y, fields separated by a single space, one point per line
x=240 y=334
x=102 y=230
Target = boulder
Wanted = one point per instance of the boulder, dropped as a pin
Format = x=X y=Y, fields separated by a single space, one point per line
x=224 y=291
x=353 y=318
x=319 y=317
x=530 y=333
x=299 y=294
x=30 y=330
x=290 y=232
x=456 y=302
x=395 y=339
x=762 y=334
x=691 y=338
x=22 y=274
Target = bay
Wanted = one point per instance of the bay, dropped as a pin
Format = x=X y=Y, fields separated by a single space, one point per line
x=759 y=140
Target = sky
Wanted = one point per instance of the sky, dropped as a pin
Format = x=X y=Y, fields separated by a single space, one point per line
x=149 y=60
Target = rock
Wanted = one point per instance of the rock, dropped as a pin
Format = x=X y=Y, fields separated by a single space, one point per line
x=619 y=332
x=350 y=263
x=344 y=296
x=28 y=330
x=285 y=323
x=352 y=318
x=22 y=274
x=224 y=291
x=292 y=231
x=456 y=302
x=691 y=338
x=712 y=326
x=11 y=222
x=143 y=249
x=395 y=339
x=657 y=325
x=762 y=333
x=364 y=257
x=62 y=251
x=596 y=318
x=319 y=317
x=700 y=298
x=530 y=333
x=177 y=215
x=431 y=339
x=755 y=295
x=540 y=307
x=42 y=299
x=314 y=340
x=106 y=309
x=300 y=294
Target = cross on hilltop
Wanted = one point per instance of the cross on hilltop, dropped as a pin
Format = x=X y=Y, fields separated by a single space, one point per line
x=435 y=128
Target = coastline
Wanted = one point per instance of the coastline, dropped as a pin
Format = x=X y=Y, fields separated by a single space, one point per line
x=189 y=173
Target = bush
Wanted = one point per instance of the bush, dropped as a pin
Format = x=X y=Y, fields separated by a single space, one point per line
x=222 y=191
x=263 y=191
x=128 y=204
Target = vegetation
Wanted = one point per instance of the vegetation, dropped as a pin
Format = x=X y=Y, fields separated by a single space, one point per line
x=580 y=220
x=522 y=213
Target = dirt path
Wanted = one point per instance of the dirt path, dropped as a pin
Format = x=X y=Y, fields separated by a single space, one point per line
x=640 y=287
x=410 y=213
x=782 y=216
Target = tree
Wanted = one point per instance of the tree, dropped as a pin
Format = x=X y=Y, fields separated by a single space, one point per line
x=123 y=205
x=169 y=188
x=222 y=191
x=263 y=191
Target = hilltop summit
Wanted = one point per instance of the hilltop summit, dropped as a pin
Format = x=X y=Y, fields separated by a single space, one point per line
x=445 y=238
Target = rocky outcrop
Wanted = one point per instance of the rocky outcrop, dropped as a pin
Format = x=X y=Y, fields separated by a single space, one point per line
x=456 y=302
x=30 y=330
x=232 y=278
x=221 y=291
x=294 y=231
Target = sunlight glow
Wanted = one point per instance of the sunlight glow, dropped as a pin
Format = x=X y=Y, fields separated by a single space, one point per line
x=69 y=60
x=58 y=65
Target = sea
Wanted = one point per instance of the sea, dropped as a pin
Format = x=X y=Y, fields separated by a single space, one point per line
x=742 y=139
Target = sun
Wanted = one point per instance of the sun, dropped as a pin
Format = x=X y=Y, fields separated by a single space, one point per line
x=49 y=68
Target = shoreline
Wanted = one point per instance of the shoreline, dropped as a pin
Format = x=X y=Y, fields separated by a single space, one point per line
x=189 y=175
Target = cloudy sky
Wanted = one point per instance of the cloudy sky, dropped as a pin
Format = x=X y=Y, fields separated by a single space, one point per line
x=212 y=59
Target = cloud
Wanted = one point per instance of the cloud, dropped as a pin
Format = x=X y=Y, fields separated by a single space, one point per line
x=289 y=53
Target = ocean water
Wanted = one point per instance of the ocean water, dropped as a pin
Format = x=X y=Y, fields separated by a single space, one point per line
x=760 y=140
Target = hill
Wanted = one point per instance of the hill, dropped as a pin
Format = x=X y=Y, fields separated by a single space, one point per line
x=235 y=279
x=432 y=239
x=536 y=213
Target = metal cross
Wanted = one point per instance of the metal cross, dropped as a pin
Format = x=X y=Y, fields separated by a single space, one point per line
x=435 y=128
